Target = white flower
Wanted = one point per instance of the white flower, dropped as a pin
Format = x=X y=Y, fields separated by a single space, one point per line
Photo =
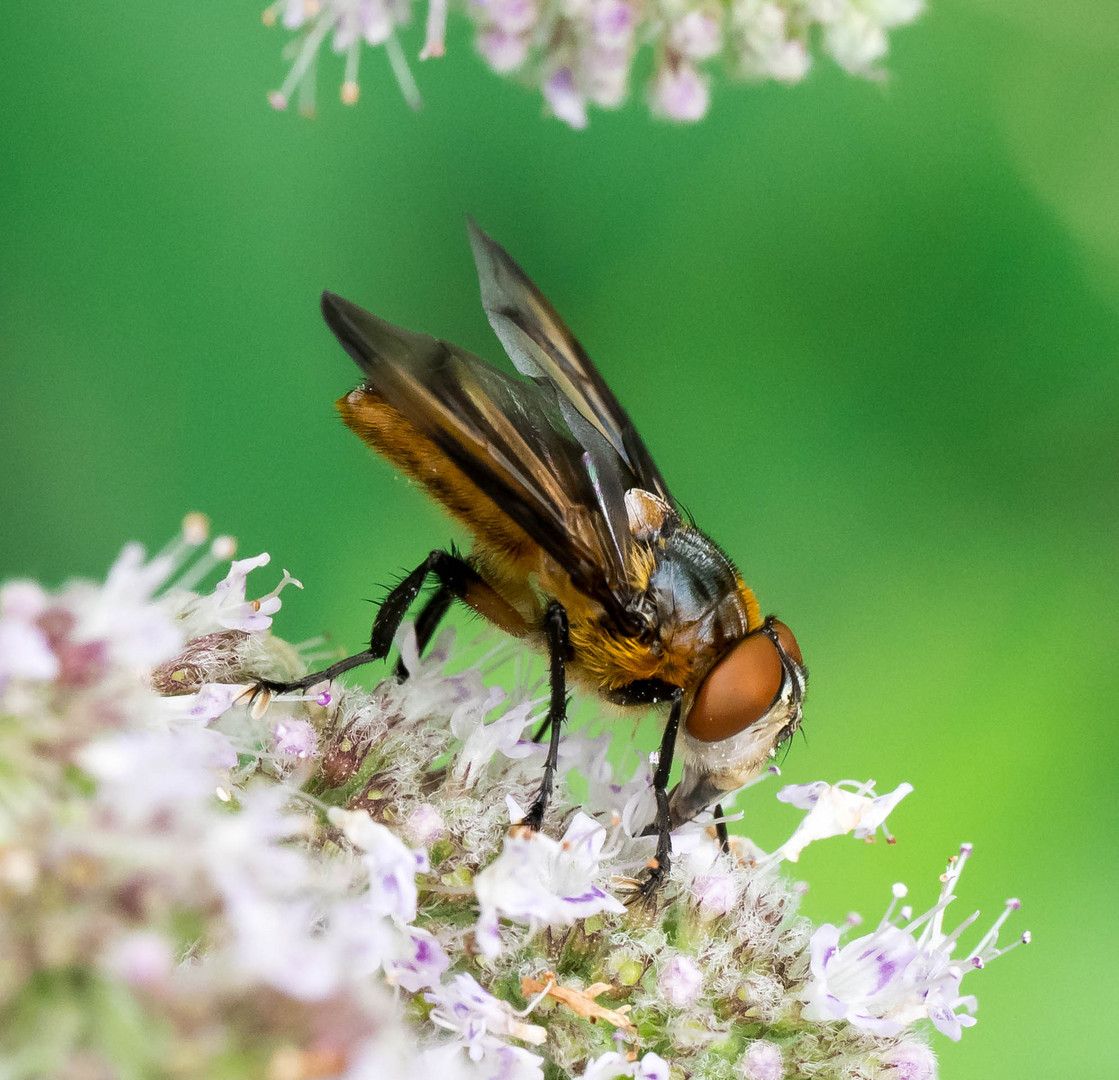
x=610 y=1065
x=121 y=616
x=540 y=881
x=25 y=652
x=833 y=811
x=765 y=49
x=211 y=701
x=698 y=35
x=886 y=980
x=144 y=775
x=392 y=866
x=480 y=741
x=227 y=608
x=428 y=691
x=479 y=1019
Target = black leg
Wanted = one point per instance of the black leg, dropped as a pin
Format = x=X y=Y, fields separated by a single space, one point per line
x=660 y=864
x=427 y=622
x=555 y=627
x=721 y=830
x=455 y=575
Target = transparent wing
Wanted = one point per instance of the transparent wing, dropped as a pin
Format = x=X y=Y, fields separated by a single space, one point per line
x=542 y=347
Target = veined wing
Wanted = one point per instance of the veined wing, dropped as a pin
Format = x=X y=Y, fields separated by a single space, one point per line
x=509 y=438
x=541 y=346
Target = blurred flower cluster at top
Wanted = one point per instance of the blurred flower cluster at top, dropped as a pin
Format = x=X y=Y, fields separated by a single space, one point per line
x=329 y=886
x=582 y=52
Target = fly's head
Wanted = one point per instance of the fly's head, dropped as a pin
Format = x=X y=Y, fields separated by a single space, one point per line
x=746 y=707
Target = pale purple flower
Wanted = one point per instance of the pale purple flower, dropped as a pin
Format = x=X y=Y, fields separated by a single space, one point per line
x=280 y=942
x=512 y=16
x=392 y=866
x=141 y=958
x=419 y=961
x=886 y=980
x=425 y=825
x=618 y=800
x=715 y=894
x=502 y=50
x=480 y=1020
x=428 y=691
x=540 y=881
x=564 y=99
x=698 y=35
x=834 y=810
x=910 y=1061
x=612 y=22
x=680 y=92
x=680 y=981
x=762 y=1061
x=502 y=1062
x=295 y=738
x=612 y=1064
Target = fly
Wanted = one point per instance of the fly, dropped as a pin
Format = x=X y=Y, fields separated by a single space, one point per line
x=579 y=546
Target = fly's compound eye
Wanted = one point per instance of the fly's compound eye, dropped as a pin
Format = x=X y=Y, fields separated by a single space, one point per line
x=741 y=687
x=788 y=642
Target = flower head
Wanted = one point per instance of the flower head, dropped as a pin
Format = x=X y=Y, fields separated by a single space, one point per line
x=584 y=52
x=903 y=971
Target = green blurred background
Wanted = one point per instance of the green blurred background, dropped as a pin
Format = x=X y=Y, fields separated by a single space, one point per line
x=870 y=333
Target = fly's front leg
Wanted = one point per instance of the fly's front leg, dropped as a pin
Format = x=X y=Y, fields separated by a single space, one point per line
x=559 y=652
x=721 y=833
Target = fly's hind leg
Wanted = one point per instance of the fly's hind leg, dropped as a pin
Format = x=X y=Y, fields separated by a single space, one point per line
x=455 y=576
x=559 y=652
x=427 y=622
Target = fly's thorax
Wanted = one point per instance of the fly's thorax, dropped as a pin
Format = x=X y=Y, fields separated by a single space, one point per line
x=743 y=710
x=695 y=593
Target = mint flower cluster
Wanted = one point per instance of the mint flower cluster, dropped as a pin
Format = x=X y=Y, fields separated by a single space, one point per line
x=581 y=53
x=193 y=885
